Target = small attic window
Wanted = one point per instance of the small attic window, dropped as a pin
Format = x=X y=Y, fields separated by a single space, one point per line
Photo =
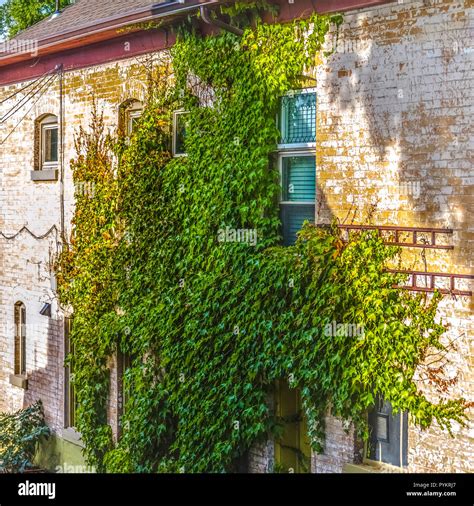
x=48 y=142
x=129 y=114
x=46 y=148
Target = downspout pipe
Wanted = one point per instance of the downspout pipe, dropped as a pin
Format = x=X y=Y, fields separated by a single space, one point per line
x=206 y=17
x=60 y=70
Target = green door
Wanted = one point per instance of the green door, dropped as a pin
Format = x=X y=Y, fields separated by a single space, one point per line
x=292 y=449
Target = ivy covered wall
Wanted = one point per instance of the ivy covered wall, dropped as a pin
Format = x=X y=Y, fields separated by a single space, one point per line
x=211 y=325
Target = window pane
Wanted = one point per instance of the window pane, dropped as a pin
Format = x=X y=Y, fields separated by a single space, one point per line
x=23 y=340
x=298 y=118
x=70 y=391
x=132 y=120
x=51 y=145
x=17 y=339
x=20 y=339
x=293 y=216
x=299 y=178
x=180 y=133
x=388 y=435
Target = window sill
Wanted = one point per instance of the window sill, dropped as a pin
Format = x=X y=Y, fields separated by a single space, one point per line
x=297 y=146
x=44 y=175
x=372 y=466
x=19 y=380
x=71 y=435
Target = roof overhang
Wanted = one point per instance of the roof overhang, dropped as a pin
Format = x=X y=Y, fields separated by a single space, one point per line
x=18 y=66
x=108 y=28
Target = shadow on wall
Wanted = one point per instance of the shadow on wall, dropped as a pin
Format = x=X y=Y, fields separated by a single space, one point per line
x=399 y=90
x=46 y=382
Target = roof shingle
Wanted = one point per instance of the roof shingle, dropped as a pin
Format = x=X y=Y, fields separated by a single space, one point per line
x=84 y=13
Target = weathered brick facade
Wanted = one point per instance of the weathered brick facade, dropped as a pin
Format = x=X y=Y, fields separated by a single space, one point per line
x=26 y=262
x=394 y=110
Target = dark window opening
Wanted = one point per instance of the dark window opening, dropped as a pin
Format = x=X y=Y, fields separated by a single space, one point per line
x=124 y=362
x=70 y=399
x=180 y=119
x=388 y=441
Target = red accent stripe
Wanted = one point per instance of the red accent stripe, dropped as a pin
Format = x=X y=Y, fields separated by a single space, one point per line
x=95 y=54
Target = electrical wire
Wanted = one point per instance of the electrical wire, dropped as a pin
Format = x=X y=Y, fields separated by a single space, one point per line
x=23 y=101
x=26 y=229
x=26 y=98
x=40 y=86
x=29 y=110
x=21 y=89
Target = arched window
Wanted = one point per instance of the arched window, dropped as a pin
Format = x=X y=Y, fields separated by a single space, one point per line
x=130 y=112
x=20 y=338
x=46 y=142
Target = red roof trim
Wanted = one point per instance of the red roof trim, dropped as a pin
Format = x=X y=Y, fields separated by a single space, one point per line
x=101 y=52
x=86 y=47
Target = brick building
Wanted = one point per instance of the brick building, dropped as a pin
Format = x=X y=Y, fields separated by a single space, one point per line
x=392 y=124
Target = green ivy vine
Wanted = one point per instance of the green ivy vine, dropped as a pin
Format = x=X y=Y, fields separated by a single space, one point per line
x=211 y=326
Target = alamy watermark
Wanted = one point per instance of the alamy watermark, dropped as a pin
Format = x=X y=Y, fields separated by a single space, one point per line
x=36 y=489
x=335 y=329
x=76 y=469
x=412 y=188
x=85 y=188
x=247 y=235
x=19 y=46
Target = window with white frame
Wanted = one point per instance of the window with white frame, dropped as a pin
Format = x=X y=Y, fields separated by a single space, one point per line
x=180 y=119
x=49 y=142
x=130 y=112
x=297 y=161
x=133 y=114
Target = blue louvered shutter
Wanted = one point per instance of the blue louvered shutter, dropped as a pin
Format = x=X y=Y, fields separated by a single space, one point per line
x=293 y=216
x=299 y=179
x=298 y=195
